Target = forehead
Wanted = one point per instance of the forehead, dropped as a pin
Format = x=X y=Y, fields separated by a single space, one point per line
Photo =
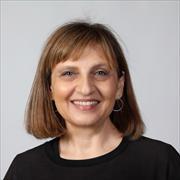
x=89 y=56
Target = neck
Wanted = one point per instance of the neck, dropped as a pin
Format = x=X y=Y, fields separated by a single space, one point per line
x=83 y=143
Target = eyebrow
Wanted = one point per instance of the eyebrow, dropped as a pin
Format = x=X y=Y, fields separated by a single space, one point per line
x=93 y=67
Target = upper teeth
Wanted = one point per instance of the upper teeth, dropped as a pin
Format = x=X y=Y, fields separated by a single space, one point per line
x=85 y=103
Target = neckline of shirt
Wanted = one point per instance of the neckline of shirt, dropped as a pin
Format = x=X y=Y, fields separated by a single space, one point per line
x=53 y=152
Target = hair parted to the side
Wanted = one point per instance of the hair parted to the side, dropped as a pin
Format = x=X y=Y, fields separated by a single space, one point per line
x=69 y=41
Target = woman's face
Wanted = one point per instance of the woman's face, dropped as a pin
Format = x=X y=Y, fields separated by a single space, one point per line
x=85 y=90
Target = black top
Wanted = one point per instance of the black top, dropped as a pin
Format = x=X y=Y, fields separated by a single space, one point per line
x=142 y=159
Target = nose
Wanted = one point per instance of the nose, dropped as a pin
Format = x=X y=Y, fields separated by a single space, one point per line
x=85 y=86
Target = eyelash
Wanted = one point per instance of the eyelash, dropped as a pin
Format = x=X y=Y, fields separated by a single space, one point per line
x=97 y=74
x=101 y=73
x=67 y=73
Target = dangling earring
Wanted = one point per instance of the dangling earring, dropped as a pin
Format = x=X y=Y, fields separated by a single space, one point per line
x=120 y=105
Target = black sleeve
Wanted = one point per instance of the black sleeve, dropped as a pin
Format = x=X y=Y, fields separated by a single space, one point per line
x=12 y=173
x=173 y=164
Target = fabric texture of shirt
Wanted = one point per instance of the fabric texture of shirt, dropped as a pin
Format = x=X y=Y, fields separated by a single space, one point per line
x=142 y=159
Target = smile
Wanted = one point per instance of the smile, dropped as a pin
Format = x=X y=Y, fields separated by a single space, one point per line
x=85 y=104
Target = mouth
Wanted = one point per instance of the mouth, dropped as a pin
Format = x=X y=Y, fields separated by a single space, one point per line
x=85 y=105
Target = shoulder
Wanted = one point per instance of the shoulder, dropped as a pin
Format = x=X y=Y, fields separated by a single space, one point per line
x=145 y=142
x=36 y=153
x=29 y=162
x=154 y=149
x=154 y=157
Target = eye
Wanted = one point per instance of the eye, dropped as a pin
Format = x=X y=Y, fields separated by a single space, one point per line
x=67 y=73
x=101 y=73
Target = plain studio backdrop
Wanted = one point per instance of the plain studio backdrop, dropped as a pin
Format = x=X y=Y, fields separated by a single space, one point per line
x=149 y=31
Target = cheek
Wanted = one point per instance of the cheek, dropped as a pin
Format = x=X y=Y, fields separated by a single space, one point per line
x=61 y=91
x=61 y=94
x=109 y=89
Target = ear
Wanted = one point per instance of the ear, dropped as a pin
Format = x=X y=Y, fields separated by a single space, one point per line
x=120 y=87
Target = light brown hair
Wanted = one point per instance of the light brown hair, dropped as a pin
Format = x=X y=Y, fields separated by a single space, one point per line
x=70 y=40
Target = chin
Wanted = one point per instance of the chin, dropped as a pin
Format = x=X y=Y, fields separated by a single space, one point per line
x=85 y=121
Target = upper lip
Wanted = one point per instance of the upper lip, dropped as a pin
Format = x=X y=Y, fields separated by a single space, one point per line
x=85 y=100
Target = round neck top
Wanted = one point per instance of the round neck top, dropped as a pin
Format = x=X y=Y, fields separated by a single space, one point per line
x=142 y=158
x=54 y=154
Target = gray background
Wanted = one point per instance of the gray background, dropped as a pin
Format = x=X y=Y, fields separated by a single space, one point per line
x=150 y=32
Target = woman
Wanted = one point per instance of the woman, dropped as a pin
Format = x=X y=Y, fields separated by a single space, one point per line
x=82 y=95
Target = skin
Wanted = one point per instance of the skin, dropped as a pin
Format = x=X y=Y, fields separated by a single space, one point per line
x=88 y=79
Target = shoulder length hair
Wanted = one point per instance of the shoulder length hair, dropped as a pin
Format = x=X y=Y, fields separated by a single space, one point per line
x=41 y=117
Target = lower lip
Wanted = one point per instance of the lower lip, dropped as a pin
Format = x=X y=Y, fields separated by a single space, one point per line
x=85 y=108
